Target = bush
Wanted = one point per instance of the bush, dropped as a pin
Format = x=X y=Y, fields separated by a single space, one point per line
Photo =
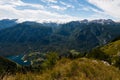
x=51 y=59
x=98 y=54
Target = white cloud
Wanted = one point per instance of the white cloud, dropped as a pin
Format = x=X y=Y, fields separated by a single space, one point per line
x=58 y=7
x=64 y=6
x=110 y=7
x=8 y=10
x=51 y=1
x=67 y=5
x=16 y=3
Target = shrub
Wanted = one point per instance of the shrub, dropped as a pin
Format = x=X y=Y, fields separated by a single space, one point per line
x=51 y=59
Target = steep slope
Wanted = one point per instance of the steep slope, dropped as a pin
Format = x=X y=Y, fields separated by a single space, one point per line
x=7 y=66
x=109 y=53
x=113 y=50
x=79 y=69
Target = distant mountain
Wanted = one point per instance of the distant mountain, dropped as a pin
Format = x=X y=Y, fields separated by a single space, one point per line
x=103 y=21
x=44 y=37
x=6 y=23
x=86 y=34
x=26 y=35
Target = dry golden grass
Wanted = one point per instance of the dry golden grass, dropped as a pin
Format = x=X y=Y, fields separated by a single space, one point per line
x=79 y=69
x=112 y=48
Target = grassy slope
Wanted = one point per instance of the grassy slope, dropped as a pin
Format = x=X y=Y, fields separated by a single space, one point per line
x=112 y=48
x=79 y=69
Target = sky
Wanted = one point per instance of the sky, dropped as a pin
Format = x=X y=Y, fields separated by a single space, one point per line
x=59 y=10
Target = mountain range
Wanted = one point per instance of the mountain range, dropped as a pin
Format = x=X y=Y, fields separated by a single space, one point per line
x=85 y=50
x=21 y=38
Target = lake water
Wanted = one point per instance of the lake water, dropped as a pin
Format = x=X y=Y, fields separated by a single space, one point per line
x=18 y=59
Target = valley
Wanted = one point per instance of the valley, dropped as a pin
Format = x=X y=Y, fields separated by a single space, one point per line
x=59 y=39
x=76 y=50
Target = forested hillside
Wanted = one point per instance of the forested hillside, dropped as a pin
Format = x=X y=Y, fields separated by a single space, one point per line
x=45 y=37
